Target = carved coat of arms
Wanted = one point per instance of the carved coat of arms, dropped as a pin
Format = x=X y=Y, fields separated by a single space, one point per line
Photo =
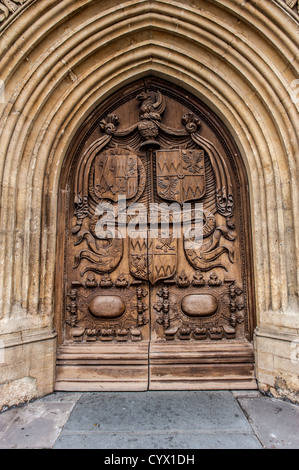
x=181 y=175
x=153 y=259
x=116 y=174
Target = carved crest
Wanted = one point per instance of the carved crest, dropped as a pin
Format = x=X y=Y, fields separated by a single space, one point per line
x=181 y=175
x=153 y=259
x=116 y=174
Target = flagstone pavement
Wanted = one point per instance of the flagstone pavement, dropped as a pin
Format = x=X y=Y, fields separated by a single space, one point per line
x=152 y=420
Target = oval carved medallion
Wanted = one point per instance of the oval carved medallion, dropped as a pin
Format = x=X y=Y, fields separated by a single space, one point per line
x=107 y=306
x=199 y=305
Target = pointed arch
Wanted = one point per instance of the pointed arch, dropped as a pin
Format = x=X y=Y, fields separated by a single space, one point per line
x=60 y=60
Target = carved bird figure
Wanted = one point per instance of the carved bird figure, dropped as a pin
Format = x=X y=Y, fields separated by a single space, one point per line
x=140 y=264
x=168 y=186
x=193 y=160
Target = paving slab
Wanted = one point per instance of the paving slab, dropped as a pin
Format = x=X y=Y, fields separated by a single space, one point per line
x=157 y=420
x=152 y=420
x=158 y=440
x=61 y=397
x=275 y=422
x=246 y=393
x=36 y=425
x=139 y=411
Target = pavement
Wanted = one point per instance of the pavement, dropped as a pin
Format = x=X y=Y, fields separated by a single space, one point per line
x=152 y=420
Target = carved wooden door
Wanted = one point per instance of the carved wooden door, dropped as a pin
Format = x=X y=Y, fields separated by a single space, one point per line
x=155 y=271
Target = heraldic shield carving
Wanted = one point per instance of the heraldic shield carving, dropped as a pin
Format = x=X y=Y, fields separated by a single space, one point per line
x=116 y=174
x=181 y=175
x=153 y=258
x=137 y=301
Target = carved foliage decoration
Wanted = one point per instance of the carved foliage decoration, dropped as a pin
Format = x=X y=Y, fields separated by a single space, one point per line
x=208 y=309
x=201 y=255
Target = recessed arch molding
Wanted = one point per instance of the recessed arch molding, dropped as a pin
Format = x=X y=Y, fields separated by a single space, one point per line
x=59 y=61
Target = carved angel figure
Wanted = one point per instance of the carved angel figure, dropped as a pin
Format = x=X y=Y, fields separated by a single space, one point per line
x=9 y=6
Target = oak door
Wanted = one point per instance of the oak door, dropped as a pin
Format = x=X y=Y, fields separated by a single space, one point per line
x=156 y=286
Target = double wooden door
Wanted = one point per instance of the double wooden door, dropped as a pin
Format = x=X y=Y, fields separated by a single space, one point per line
x=154 y=277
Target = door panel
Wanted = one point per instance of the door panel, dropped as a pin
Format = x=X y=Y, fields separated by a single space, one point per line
x=158 y=305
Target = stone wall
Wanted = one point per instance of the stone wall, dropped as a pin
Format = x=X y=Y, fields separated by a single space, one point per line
x=60 y=59
x=27 y=369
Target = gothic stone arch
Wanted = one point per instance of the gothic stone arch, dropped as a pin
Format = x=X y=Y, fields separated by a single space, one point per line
x=59 y=62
